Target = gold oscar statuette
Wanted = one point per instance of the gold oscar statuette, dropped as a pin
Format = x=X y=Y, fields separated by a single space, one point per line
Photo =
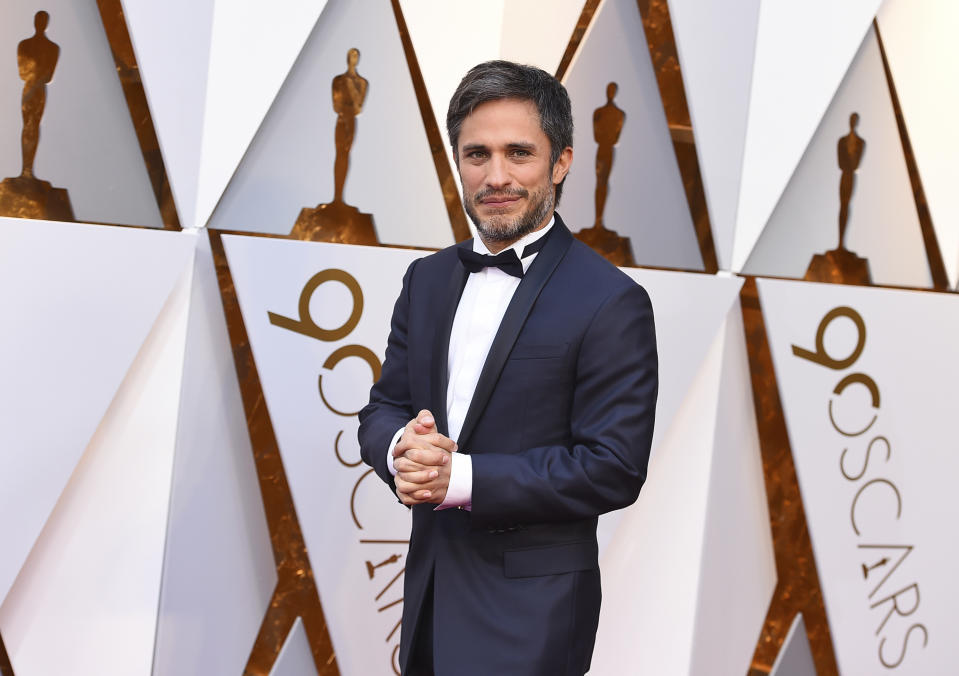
x=607 y=125
x=338 y=221
x=840 y=265
x=26 y=196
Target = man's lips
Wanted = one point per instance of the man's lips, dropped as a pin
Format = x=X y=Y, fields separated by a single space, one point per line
x=498 y=202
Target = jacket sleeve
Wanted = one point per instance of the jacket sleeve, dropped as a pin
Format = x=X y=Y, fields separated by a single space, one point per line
x=611 y=429
x=390 y=406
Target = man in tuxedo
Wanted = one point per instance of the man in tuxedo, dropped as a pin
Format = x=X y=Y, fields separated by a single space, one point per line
x=515 y=404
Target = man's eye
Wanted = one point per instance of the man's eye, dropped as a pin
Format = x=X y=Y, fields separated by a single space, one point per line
x=476 y=155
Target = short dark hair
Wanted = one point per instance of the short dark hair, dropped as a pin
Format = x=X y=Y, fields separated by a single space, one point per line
x=495 y=80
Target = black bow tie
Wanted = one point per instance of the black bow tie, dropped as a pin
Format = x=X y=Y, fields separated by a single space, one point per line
x=507 y=261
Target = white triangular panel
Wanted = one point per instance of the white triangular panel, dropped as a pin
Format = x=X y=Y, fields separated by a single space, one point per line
x=920 y=43
x=295 y=658
x=716 y=44
x=646 y=200
x=85 y=601
x=354 y=533
x=444 y=56
x=172 y=45
x=211 y=71
x=870 y=431
x=87 y=141
x=689 y=310
x=650 y=570
x=530 y=35
x=738 y=563
x=254 y=45
x=683 y=592
x=795 y=655
x=216 y=590
x=883 y=224
x=518 y=30
x=289 y=164
x=802 y=52
x=80 y=300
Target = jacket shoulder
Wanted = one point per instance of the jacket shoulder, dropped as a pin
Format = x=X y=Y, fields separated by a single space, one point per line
x=595 y=271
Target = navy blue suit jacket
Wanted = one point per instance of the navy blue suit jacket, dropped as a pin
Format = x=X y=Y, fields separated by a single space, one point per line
x=559 y=430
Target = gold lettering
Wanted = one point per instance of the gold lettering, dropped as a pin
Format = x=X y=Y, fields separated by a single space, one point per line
x=820 y=356
x=906 y=551
x=364 y=353
x=305 y=324
x=895 y=604
x=394 y=659
x=353 y=498
x=842 y=458
x=862 y=489
x=336 y=450
x=869 y=384
x=905 y=642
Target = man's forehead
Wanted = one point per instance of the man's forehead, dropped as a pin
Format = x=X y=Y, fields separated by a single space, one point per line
x=501 y=117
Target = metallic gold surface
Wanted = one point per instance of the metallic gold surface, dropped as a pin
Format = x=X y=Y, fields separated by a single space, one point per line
x=114 y=23
x=695 y=196
x=617 y=250
x=349 y=93
x=937 y=267
x=608 y=122
x=335 y=222
x=26 y=196
x=296 y=593
x=37 y=59
x=338 y=221
x=662 y=52
x=672 y=92
x=29 y=197
x=840 y=265
x=6 y=669
x=444 y=172
x=579 y=31
x=798 y=588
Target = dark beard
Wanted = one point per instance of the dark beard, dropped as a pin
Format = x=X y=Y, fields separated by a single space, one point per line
x=496 y=229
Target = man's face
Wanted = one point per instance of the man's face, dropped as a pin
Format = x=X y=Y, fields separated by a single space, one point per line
x=504 y=164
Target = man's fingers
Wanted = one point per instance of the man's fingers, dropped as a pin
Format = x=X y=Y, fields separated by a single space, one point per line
x=418 y=477
x=427 y=457
x=404 y=464
x=425 y=418
x=440 y=441
x=412 y=490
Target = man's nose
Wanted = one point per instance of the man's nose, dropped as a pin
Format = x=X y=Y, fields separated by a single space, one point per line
x=497 y=174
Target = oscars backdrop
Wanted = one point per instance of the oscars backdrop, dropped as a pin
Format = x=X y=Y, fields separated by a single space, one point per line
x=207 y=208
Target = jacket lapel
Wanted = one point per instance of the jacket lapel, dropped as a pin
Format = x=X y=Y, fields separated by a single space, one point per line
x=516 y=313
x=439 y=371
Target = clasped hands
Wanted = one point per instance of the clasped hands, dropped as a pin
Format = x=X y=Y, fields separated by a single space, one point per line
x=422 y=459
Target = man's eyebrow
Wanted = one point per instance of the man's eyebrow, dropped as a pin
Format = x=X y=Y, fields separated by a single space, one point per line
x=514 y=145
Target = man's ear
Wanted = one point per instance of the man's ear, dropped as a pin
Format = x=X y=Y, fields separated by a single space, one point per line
x=562 y=165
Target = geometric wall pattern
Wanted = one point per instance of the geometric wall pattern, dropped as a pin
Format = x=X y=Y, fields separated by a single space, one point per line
x=881 y=208
x=159 y=431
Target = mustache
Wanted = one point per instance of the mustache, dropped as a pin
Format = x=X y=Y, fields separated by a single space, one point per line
x=500 y=195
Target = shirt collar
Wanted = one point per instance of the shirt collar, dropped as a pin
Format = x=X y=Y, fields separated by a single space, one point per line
x=519 y=245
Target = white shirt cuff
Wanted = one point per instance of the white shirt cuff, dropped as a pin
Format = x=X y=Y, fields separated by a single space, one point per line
x=460 y=491
x=389 y=451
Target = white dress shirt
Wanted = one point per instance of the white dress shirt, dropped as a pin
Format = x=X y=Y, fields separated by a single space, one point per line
x=480 y=311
